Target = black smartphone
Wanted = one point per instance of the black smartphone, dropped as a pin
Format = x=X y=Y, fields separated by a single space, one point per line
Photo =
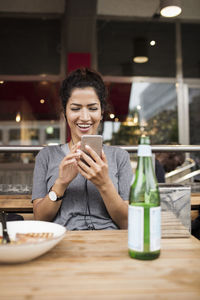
x=94 y=141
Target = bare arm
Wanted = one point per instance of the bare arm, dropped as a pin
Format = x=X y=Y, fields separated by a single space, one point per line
x=44 y=209
x=97 y=172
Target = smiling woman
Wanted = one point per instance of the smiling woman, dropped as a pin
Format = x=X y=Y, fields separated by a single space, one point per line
x=78 y=190
x=83 y=112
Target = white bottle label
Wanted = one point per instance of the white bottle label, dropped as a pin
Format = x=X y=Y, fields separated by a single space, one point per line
x=155 y=228
x=136 y=228
x=144 y=150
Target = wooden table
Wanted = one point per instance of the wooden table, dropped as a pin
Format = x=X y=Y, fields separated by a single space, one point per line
x=21 y=203
x=195 y=200
x=95 y=265
x=16 y=203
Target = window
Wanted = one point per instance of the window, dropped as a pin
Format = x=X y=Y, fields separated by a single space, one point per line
x=194 y=109
x=149 y=107
x=116 y=47
x=191 y=50
x=1 y=137
x=29 y=46
x=30 y=108
x=52 y=135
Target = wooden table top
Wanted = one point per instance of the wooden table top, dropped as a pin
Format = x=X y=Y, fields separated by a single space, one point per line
x=95 y=265
x=16 y=203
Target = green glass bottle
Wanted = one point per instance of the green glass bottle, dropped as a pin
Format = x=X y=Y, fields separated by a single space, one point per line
x=144 y=213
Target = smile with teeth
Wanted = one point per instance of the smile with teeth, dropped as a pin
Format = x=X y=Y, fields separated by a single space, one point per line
x=84 y=125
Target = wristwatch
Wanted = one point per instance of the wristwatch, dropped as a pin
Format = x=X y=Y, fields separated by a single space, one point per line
x=53 y=196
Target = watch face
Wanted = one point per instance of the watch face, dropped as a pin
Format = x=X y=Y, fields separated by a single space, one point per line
x=52 y=196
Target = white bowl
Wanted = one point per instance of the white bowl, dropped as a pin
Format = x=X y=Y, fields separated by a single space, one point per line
x=17 y=253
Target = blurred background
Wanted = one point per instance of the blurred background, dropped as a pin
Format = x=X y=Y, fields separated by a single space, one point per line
x=150 y=64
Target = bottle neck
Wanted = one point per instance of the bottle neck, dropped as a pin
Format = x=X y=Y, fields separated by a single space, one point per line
x=145 y=164
x=145 y=158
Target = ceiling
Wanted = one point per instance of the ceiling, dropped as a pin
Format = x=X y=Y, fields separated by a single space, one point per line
x=115 y=8
x=145 y=8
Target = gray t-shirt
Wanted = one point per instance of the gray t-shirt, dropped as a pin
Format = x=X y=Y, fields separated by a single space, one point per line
x=82 y=206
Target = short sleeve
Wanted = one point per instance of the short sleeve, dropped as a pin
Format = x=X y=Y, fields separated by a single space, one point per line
x=125 y=175
x=39 y=189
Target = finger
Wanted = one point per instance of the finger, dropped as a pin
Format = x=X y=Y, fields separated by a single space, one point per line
x=84 y=173
x=93 y=154
x=87 y=159
x=71 y=155
x=78 y=145
x=73 y=149
x=84 y=166
x=104 y=157
x=69 y=162
x=89 y=166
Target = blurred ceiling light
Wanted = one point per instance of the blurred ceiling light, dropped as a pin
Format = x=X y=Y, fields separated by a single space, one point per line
x=135 y=120
x=170 y=8
x=112 y=116
x=143 y=123
x=140 y=50
x=138 y=107
x=1 y=81
x=18 y=117
x=43 y=82
x=152 y=43
x=131 y=120
x=42 y=101
x=49 y=130
x=128 y=122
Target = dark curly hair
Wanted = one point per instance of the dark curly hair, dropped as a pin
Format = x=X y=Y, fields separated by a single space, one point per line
x=82 y=78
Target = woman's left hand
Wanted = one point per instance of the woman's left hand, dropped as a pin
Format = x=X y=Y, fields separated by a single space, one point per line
x=97 y=169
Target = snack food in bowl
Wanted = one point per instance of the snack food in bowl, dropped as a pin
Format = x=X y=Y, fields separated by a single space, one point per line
x=29 y=239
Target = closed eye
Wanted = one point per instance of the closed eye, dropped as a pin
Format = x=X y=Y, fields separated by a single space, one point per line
x=89 y=108
x=75 y=109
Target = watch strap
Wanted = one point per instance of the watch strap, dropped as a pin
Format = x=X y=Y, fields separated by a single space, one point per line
x=58 y=198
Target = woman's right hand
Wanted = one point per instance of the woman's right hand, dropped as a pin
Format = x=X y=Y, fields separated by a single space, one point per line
x=68 y=167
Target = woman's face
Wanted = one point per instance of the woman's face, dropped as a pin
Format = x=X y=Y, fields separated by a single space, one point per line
x=83 y=112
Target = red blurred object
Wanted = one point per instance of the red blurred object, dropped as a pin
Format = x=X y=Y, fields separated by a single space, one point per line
x=25 y=97
x=76 y=60
x=119 y=95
